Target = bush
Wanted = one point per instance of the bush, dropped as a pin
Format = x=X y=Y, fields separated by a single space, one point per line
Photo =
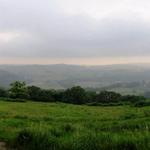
x=13 y=100
x=142 y=103
x=33 y=140
x=132 y=98
x=106 y=104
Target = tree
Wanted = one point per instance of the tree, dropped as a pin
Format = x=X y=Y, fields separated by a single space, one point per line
x=18 y=90
x=46 y=95
x=3 y=92
x=90 y=96
x=38 y=94
x=58 y=95
x=132 y=98
x=34 y=93
x=75 y=95
x=106 y=97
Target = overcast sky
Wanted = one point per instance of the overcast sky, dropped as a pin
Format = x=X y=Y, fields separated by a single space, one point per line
x=74 y=31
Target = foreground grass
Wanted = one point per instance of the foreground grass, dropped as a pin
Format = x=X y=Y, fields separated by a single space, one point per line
x=57 y=126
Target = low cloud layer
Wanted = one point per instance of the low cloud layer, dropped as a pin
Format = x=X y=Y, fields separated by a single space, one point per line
x=74 y=28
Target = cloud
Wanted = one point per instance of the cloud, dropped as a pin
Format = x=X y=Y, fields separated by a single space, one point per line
x=73 y=28
x=7 y=37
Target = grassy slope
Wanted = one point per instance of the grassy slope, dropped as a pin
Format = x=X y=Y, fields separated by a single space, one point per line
x=67 y=121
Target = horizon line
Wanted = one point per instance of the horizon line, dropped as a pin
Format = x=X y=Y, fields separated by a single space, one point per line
x=41 y=64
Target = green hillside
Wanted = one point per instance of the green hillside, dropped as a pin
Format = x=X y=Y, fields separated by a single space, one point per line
x=73 y=127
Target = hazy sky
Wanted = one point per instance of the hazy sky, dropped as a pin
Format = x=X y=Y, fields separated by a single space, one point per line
x=74 y=31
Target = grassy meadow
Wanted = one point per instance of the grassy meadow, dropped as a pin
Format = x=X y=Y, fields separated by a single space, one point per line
x=58 y=126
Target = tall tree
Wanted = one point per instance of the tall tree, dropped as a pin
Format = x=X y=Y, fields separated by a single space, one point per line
x=18 y=90
x=75 y=95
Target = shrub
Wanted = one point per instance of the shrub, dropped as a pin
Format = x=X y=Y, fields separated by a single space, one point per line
x=142 y=103
x=132 y=98
x=35 y=140
x=13 y=100
x=106 y=104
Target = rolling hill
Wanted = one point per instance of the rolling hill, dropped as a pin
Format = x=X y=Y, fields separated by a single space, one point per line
x=122 y=78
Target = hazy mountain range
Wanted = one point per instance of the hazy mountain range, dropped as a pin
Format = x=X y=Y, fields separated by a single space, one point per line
x=123 y=78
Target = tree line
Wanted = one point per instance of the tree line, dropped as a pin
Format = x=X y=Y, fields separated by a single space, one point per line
x=74 y=95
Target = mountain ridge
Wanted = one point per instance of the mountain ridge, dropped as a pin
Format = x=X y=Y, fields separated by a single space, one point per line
x=61 y=76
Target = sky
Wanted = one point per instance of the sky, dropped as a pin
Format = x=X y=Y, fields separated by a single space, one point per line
x=87 y=32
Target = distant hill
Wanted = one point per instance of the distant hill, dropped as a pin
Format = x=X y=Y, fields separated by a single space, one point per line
x=122 y=78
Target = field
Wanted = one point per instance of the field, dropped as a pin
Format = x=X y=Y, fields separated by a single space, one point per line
x=58 y=126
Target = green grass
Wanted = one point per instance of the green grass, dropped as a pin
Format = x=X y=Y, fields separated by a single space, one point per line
x=57 y=126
